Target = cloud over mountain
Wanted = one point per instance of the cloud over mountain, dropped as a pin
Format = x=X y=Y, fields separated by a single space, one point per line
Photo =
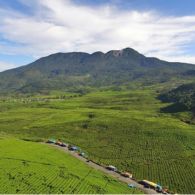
x=63 y=25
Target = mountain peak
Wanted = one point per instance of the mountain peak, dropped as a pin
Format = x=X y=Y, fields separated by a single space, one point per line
x=97 y=53
x=124 y=52
x=115 y=53
x=62 y=71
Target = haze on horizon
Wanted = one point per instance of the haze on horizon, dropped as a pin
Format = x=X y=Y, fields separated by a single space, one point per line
x=32 y=29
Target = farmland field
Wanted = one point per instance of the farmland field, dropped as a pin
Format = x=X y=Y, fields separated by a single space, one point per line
x=124 y=128
x=27 y=167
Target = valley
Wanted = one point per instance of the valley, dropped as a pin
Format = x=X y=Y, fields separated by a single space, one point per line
x=97 y=97
x=125 y=128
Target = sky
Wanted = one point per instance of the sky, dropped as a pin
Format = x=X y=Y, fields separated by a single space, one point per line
x=30 y=29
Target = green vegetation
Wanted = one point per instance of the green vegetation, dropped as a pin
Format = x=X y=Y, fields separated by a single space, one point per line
x=125 y=128
x=108 y=104
x=183 y=102
x=77 y=71
x=183 y=95
x=27 y=167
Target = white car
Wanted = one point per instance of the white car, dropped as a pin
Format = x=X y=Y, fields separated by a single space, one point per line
x=111 y=168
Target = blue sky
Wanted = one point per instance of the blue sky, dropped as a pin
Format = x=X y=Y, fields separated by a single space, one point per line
x=32 y=29
x=171 y=7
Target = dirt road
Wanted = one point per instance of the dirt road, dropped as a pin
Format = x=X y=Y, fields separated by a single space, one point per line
x=103 y=169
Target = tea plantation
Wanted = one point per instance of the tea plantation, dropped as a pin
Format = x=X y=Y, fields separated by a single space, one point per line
x=27 y=167
x=125 y=128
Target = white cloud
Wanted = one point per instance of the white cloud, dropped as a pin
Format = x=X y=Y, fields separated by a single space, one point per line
x=6 y=66
x=62 y=26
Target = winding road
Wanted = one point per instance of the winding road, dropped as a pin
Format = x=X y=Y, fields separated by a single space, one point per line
x=103 y=169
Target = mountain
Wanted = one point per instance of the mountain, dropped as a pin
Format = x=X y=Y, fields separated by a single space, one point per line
x=63 y=71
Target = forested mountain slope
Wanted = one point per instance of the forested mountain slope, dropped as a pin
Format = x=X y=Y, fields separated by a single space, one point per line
x=74 y=70
x=183 y=96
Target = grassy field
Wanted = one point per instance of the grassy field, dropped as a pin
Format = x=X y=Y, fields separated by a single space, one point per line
x=124 y=128
x=27 y=167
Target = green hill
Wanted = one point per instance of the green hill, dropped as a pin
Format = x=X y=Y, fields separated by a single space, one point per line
x=183 y=102
x=73 y=71
x=108 y=104
x=124 y=128
x=183 y=95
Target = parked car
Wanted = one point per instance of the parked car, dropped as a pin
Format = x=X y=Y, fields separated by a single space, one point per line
x=51 y=141
x=127 y=174
x=58 y=143
x=165 y=191
x=82 y=154
x=131 y=185
x=63 y=144
x=111 y=168
x=73 y=148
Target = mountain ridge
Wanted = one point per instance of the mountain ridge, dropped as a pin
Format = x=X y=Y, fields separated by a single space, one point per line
x=77 y=69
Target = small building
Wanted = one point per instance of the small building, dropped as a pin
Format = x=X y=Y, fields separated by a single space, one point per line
x=111 y=168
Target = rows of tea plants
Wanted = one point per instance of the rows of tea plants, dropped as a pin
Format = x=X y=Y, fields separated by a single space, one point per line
x=151 y=145
x=124 y=128
x=163 y=161
x=47 y=170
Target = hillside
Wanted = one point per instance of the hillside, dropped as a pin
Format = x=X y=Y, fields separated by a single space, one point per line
x=183 y=95
x=75 y=71
x=54 y=172
x=108 y=104
x=124 y=128
x=182 y=101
